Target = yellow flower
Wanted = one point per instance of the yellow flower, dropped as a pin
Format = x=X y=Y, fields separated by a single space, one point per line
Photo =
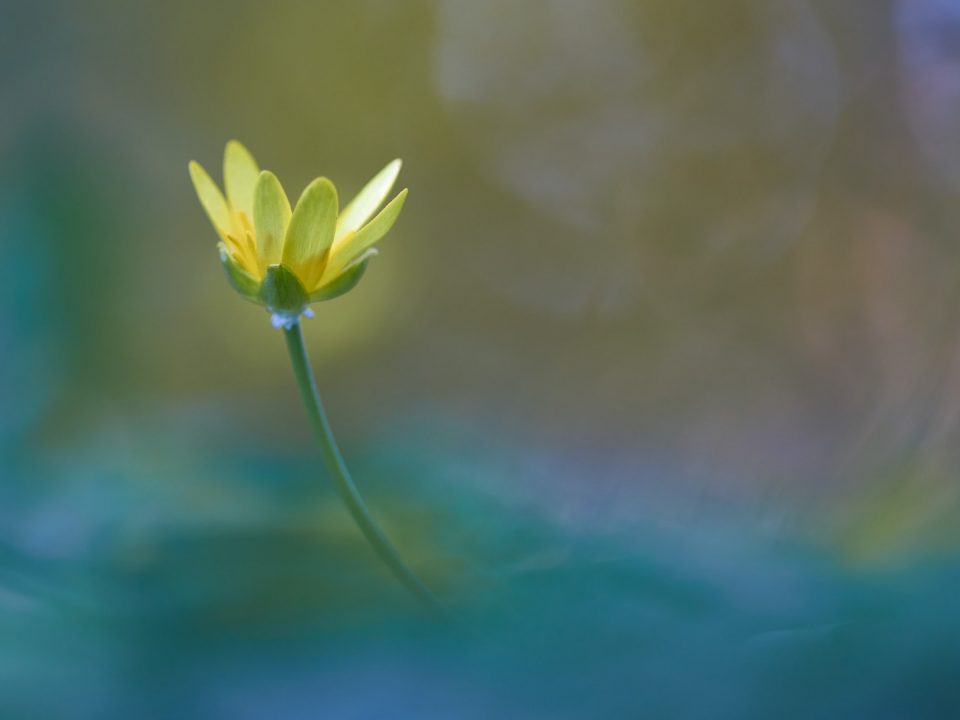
x=286 y=259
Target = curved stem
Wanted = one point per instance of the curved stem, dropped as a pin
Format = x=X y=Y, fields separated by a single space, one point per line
x=341 y=476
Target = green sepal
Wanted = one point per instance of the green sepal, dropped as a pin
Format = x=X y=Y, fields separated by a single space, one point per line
x=282 y=292
x=344 y=282
x=240 y=280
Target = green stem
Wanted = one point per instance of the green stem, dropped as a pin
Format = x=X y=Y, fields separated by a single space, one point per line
x=341 y=476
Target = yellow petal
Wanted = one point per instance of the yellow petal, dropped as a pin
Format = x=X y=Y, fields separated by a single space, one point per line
x=212 y=199
x=242 y=281
x=310 y=231
x=349 y=247
x=271 y=215
x=244 y=253
x=359 y=210
x=311 y=270
x=240 y=173
x=345 y=281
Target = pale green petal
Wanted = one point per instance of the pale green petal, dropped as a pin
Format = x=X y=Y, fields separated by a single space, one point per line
x=349 y=247
x=359 y=210
x=240 y=173
x=271 y=215
x=346 y=280
x=212 y=199
x=311 y=227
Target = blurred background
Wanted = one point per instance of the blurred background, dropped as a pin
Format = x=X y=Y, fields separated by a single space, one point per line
x=656 y=381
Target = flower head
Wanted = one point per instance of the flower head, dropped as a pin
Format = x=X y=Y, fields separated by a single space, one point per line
x=286 y=258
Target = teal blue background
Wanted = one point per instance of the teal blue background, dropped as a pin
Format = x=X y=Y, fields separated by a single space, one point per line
x=656 y=381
